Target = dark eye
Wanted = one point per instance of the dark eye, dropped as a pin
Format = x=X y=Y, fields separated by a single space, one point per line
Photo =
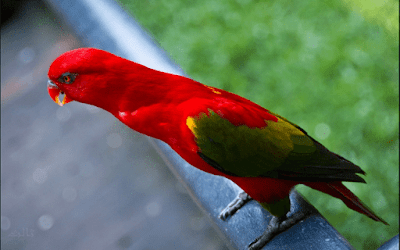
x=67 y=78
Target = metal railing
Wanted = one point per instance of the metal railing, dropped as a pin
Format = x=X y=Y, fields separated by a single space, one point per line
x=105 y=25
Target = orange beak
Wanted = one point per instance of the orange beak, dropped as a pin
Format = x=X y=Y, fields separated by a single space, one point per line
x=57 y=94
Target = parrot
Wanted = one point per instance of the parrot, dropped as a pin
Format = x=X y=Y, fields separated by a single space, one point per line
x=214 y=130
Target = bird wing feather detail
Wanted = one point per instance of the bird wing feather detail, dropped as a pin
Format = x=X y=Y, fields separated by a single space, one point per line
x=229 y=141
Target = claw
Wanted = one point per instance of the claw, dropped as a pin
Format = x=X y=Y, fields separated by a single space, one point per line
x=276 y=226
x=235 y=205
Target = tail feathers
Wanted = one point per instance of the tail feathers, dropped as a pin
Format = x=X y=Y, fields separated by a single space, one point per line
x=338 y=190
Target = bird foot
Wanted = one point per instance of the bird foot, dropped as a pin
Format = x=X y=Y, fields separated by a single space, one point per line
x=235 y=205
x=276 y=226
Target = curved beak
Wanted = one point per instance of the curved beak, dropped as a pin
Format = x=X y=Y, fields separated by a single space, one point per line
x=57 y=94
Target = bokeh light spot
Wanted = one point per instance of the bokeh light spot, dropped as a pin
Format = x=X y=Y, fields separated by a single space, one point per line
x=45 y=222
x=5 y=223
x=322 y=131
x=26 y=55
x=364 y=107
x=153 y=209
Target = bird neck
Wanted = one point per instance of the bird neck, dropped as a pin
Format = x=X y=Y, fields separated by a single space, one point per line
x=131 y=88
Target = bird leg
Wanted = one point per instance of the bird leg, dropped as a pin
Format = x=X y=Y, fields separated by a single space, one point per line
x=276 y=226
x=235 y=205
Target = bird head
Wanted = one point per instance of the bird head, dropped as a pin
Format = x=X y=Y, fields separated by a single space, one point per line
x=82 y=74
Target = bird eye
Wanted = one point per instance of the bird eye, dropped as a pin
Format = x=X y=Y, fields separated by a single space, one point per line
x=67 y=78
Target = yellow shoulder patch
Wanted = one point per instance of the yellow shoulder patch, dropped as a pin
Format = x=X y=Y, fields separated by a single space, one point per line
x=191 y=125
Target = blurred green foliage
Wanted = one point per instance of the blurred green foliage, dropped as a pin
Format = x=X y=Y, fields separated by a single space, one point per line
x=329 y=66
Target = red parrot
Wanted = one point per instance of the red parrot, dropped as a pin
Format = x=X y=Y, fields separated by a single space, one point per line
x=215 y=131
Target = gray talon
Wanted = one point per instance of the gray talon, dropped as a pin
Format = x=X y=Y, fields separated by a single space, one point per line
x=235 y=205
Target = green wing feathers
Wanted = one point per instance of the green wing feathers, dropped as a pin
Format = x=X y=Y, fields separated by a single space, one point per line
x=279 y=149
